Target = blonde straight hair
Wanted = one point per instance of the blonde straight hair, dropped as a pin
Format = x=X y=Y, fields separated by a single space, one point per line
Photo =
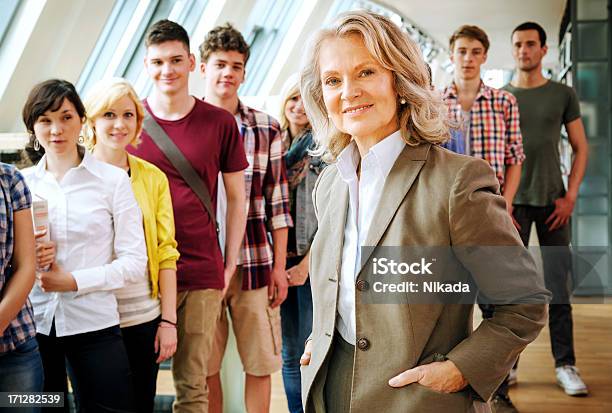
x=101 y=97
x=422 y=119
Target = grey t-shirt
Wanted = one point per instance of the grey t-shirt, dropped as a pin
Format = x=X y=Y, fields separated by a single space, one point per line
x=543 y=110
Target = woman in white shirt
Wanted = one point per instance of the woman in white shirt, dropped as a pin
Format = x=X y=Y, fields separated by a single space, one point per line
x=97 y=244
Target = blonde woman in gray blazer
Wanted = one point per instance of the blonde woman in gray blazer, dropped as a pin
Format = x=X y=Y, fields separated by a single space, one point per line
x=366 y=90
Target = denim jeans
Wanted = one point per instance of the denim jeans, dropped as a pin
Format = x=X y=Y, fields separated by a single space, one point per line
x=22 y=370
x=296 y=322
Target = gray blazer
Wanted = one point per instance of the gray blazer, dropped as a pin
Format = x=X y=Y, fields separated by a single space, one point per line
x=432 y=197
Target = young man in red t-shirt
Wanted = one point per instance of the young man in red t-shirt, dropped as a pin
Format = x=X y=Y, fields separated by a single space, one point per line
x=209 y=138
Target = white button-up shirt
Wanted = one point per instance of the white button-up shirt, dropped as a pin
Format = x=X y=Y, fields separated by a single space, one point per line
x=364 y=195
x=97 y=228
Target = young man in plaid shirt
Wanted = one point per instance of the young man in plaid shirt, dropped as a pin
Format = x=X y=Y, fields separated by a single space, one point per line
x=260 y=284
x=489 y=128
x=489 y=117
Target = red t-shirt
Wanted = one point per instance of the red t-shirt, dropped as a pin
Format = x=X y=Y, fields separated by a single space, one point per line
x=209 y=138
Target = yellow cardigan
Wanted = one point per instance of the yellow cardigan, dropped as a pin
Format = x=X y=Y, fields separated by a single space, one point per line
x=152 y=193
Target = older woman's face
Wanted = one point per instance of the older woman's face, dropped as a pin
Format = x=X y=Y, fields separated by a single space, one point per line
x=294 y=111
x=116 y=127
x=358 y=92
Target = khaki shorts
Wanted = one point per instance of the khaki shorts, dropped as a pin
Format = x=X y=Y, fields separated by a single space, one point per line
x=257 y=328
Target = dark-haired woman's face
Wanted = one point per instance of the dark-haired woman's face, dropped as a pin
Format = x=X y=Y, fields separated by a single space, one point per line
x=58 y=131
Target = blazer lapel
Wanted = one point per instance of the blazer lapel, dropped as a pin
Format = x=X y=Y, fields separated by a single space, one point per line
x=398 y=183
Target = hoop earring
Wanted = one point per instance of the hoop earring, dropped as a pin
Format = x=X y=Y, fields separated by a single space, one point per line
x=36 y=145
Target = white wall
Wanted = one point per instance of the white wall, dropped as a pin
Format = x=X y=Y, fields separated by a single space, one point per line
x=52 y=38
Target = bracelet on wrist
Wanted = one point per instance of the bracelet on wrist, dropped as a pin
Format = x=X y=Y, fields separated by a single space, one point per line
x=163 y=320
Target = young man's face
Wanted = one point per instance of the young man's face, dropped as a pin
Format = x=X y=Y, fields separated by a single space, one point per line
x=467 y=56
x=168 y=65
x=224 y=73
x=527 y=49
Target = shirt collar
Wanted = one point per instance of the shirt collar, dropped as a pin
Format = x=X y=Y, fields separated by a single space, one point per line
x=484 y=91
x=348 y=161
x=384 y=154
x=387 y=151
x=89 y=163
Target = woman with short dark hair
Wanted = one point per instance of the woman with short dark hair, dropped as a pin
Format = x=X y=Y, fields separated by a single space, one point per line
x=97 y=243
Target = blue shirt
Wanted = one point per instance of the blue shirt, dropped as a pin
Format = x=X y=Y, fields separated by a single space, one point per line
x=14 y=196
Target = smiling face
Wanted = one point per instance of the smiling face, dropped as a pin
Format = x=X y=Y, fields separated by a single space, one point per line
x=116 y=127
x=168 y=65
x=224 y=73
x=468 y=55
x=527 y=50
x=359 y=93
x=58 y=130
x=295 y=114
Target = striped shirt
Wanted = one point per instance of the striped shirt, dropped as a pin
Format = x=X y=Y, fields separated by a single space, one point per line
x=15 y=196
x=495 y=133
x=267 y=193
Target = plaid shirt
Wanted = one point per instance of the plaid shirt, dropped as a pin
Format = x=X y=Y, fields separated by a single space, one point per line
x=15 y=196
x=267 y=193
x=495 y=133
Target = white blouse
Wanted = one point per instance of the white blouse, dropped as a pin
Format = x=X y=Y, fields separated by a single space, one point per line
x=97 y=228
x=364 y=196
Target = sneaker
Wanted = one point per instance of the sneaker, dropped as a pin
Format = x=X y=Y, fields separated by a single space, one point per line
x=502 y=404
x=569 y=379
x=512 y=377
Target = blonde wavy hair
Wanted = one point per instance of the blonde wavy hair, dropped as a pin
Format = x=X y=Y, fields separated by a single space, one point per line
x=290 y=89
x=102 y=96
x=422 y=119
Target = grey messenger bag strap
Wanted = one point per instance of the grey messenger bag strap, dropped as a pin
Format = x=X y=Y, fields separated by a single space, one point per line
x=182 y=165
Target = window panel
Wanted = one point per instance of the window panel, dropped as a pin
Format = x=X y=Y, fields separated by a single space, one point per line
x=268 y=25
x=7 y=12
x=592 y=40
x=592 y=230
x=592 y=9
x=120 y=49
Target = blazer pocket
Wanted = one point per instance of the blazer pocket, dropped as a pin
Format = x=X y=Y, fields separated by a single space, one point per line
x=434 y=401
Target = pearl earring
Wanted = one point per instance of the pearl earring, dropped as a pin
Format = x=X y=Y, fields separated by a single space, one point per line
x=402 y=101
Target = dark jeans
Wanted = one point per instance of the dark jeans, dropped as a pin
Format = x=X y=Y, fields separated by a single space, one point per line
x=557 y=273
x=139 y=343
x=557 y=266
x=296 y=322
x=21 y=370
x=99 y=368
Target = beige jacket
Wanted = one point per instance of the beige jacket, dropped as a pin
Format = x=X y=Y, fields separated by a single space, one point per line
x=432 y=197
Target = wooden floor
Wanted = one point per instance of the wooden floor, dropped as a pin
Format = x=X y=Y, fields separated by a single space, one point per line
x=536 y=391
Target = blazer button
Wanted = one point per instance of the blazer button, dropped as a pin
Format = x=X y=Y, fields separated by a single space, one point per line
x=363 y=344
x=363 y=285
